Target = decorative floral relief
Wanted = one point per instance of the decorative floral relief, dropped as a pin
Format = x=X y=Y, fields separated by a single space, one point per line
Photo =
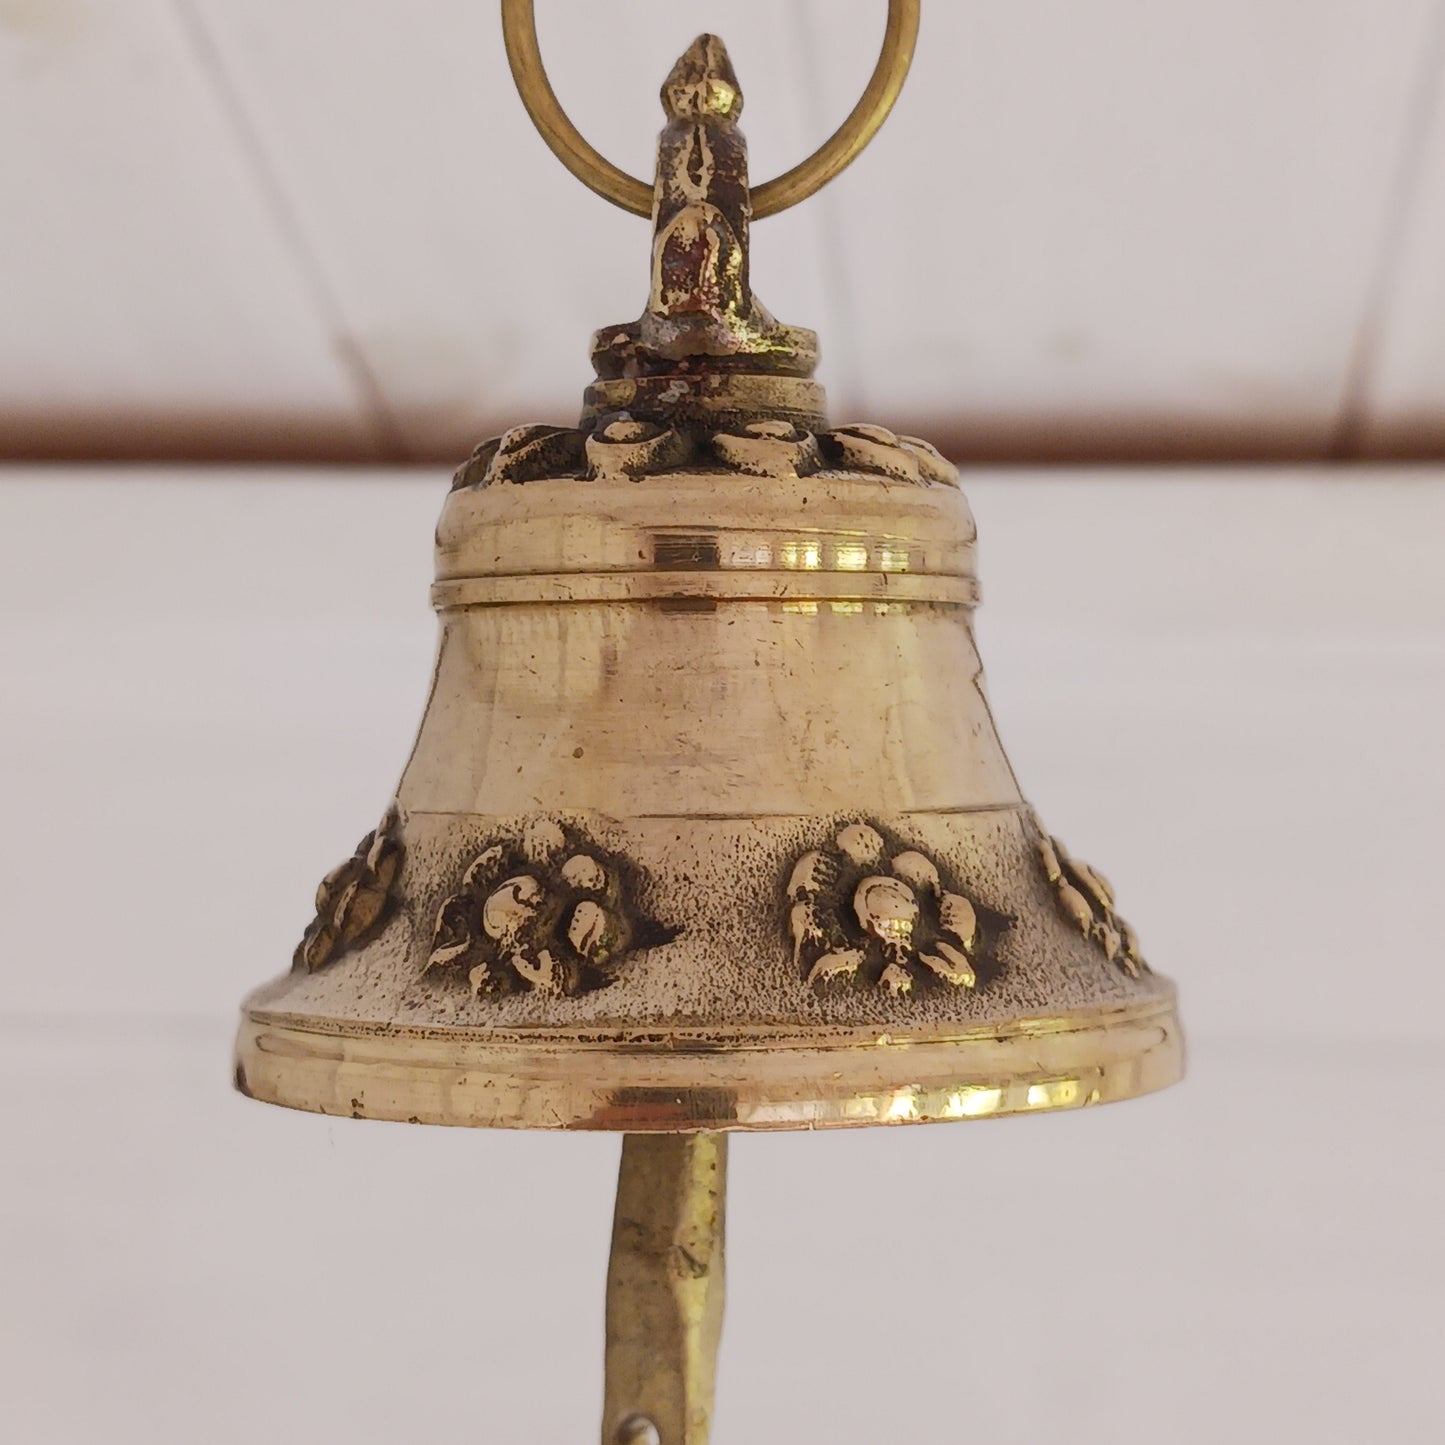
x=1087 y=901
x=354 y=900
x=864 y=908
x=549 y=911
x=523 y=454
x=635 y=449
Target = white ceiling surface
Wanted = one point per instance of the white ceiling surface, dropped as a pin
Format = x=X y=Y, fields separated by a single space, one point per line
x=141 y=268
x=1405 y=357
x=331 y=225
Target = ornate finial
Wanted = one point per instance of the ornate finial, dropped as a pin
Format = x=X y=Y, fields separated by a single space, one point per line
x=702 y=321
x=703 y=85
x=701 y=302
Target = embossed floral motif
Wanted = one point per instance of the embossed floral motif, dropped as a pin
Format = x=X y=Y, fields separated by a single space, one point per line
x=523 y=454
x=548 y=911
x=630 y=450
x=862 y=448
x=772 y=447
x=1087 y=901
x=867 y=908
x=354 y=900
x=769 y=448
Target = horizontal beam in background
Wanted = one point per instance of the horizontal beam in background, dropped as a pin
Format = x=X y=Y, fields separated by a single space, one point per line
x=235 y=437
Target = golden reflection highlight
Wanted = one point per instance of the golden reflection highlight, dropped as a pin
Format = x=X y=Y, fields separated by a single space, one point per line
x=1055 y=1094
x=801 y=556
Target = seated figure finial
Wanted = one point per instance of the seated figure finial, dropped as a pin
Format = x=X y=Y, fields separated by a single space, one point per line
x=706 y=351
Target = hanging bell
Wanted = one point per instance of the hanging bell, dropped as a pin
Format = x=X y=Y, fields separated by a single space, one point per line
x=707 y=825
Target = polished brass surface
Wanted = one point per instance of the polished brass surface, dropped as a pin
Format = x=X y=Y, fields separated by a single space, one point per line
x=672 y=1079
x=665 y=1286
x=707 y=825
x=836 y=154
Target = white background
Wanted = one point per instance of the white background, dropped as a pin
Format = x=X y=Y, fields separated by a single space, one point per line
x=1226 y=688
x=326 y=227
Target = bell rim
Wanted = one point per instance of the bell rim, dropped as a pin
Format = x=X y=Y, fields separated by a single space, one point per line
x=680 y=1080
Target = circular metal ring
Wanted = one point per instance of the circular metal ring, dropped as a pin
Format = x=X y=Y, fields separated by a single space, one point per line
x=519 y=29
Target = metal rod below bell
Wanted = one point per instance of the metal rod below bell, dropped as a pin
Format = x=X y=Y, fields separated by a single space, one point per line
x=665 y=1290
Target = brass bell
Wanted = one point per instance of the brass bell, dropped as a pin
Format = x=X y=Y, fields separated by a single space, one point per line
x=707 y=826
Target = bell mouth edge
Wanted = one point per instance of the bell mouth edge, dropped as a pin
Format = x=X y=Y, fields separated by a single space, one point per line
x=653 y=1085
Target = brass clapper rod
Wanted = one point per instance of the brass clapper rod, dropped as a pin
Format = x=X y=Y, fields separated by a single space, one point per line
x=665 y=1289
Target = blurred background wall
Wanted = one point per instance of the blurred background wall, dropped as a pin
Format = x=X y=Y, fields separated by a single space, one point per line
x=324 y=229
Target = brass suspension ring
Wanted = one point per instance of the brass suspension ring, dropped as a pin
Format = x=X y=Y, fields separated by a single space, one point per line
x=519 y=29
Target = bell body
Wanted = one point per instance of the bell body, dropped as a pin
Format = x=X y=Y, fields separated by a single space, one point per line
x=707 y=825
x=697 y=682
